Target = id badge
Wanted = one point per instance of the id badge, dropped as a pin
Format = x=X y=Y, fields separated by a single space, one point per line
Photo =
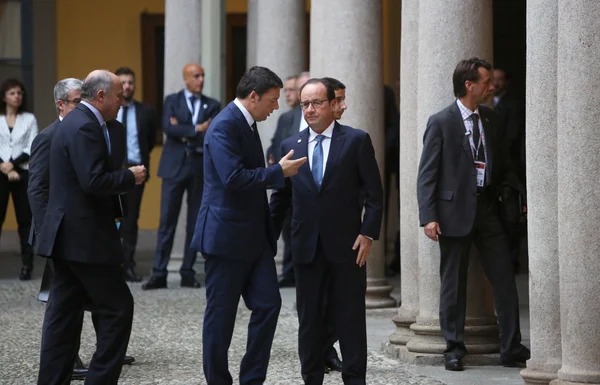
x=480 y=167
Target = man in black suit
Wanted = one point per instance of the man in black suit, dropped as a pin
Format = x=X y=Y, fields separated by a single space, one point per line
x=462 y=165
x=140 y=130
x=186 y=117
x=79 y=234
x=289 y=123
x=511 y=122
x=331 y=239
x=67 y=95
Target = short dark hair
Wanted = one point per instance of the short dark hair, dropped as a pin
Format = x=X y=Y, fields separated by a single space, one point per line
x=258 y=79
x=328 y=87
x=467 y=70
x=125 y=71
x=336 y=84
x=7 y=85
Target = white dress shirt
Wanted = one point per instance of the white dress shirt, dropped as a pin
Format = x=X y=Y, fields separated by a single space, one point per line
x=326 y=143
x=197 y=103
x=245 y=112
x=17 y=142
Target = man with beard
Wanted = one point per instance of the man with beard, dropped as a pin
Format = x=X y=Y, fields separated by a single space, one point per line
x=139 y=121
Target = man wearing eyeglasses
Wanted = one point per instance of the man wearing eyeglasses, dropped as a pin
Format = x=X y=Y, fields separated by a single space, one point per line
x=289 y=123
x=331 y=239
x=67 y=95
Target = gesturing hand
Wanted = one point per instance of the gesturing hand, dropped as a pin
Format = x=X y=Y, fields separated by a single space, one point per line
x=290 y=167
x=363 y=244
x=432 y=230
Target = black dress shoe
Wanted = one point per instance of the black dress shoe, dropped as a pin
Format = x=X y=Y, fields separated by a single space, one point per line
x=334 y=364
x=25 y=273
x=517 y=358
x=155 y=283
x=130 y=275
x=287 y=282
x=79 y=373
x=128 y=360
x=190 y=282
x=454 y=365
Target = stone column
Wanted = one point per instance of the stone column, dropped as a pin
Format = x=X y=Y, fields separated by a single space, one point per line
x=409 y=163
x=448 y=33
x=544 y=294
x=578 y=106
x=353 y=54
x=280 y=46
x=213 y=48
x=251 y=33
x=183 y=45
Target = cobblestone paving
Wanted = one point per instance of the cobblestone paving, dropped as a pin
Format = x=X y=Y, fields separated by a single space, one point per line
x=166 y=341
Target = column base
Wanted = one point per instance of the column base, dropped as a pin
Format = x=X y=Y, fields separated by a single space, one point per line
x=403 y=354
x=537 y=377
x=561 y=382
x=479 y=339
x=378 y=294
x=402 y=334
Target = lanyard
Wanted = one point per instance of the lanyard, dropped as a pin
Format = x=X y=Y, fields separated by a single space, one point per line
x=475 y=150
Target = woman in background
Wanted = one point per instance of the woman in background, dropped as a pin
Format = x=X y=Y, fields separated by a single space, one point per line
x=17 y=130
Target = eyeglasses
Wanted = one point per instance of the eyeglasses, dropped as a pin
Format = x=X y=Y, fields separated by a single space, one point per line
x=74 y=101
x=314 y=103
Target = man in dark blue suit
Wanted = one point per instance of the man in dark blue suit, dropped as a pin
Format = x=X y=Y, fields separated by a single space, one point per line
x=289 y=123
x=234 y=230
x=331 y=239
x=78 y=232
x=186 y=117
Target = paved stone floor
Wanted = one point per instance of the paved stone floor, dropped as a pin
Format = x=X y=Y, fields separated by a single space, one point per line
x=166 y=338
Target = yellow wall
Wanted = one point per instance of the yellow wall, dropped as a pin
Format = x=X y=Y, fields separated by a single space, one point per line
x=100 y=34
x=92 y=34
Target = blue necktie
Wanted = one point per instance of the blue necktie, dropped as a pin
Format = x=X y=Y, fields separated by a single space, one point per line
x=106 y=137
x=317 y=161
x=193 y=101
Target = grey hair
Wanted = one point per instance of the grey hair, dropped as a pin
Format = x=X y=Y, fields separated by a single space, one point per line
x=99 y=80
x=304 y=73
x=63 y=87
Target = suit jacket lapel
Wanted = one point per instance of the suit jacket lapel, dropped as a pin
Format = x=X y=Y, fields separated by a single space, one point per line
x=202 y=111
x=183 y=105
x=489 y=142
x=461 y=129
x=300 y=151
x=335 y=148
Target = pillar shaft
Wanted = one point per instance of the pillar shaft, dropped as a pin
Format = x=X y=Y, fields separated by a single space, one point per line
x=578 y=189
x=542 y=191
x=352 y=53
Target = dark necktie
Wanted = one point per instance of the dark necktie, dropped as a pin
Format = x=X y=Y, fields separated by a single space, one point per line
x=481 y=154
x=106 y=137
x=256 y=135
x=317 y=161
x=124 y=117
x=193 y=101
